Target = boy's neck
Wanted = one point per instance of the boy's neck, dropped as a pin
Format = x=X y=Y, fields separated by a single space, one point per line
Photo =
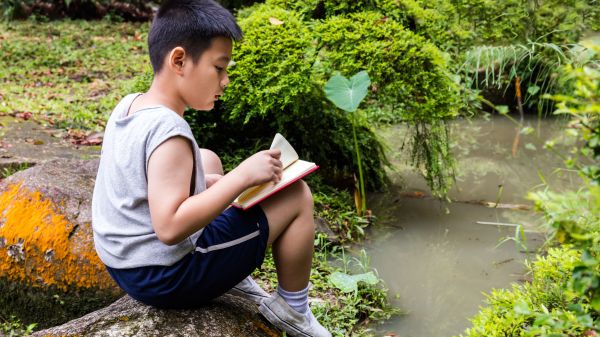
x=160 y=94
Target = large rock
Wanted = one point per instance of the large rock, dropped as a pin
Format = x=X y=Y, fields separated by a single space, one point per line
x=49 y=270
x=225 y=316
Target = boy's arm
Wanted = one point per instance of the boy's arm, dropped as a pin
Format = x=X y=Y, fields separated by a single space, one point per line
x=176 y=215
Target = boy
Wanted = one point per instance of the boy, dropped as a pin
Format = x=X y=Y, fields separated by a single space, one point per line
x=161 y=220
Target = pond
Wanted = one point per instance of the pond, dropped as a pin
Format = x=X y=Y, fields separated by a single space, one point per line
x=440 y=258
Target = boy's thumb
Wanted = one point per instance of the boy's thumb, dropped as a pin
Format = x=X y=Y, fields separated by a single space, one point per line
x=275 y=153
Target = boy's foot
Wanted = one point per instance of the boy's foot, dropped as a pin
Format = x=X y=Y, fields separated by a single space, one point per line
x=280 y=314
x=249 y=290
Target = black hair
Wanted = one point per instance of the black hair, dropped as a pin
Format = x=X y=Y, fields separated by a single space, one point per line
x=190 y=24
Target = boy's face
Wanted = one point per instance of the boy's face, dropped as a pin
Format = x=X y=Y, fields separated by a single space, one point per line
x=203 y=82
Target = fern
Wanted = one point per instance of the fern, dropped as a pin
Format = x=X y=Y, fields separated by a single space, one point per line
x=536 y=63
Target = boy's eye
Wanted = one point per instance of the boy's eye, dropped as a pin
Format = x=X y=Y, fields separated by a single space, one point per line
x=219 y=69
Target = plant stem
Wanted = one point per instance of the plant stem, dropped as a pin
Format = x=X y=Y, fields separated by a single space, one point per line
x=360 y=173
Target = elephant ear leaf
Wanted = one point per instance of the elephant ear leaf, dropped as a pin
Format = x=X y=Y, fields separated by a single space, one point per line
x=349 y=283
x=345 y=93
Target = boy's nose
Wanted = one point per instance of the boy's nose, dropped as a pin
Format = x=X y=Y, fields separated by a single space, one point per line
x=225 y=81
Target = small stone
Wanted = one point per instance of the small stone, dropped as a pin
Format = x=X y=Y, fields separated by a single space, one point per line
x=16 y=252
x=49 y=255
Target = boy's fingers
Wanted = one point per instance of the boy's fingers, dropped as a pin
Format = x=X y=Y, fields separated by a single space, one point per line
x=278 y=173
x=275 y=153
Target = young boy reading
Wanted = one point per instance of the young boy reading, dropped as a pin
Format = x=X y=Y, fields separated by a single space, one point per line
x=161 y=217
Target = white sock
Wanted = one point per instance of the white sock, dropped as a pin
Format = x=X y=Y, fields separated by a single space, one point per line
x=298 y=300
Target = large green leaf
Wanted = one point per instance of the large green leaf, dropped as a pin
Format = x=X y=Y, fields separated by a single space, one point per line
x=349 y=283
x=347 y=94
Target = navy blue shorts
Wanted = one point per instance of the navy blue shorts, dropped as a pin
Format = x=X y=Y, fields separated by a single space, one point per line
x=229 y=249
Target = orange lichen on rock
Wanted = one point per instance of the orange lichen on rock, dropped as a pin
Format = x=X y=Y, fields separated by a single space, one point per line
x=40 y=247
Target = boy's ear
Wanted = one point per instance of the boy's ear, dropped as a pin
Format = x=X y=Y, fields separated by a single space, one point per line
x=176 y=59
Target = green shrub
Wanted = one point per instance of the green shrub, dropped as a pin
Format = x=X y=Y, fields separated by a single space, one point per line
x=436 y=20
x=511 y=312
x=592 y=17
x=456 y=24
x=510 y=21
x=272 y=74
x=407 y=72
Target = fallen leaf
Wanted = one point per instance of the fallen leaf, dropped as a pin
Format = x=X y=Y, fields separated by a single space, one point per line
x=24 y=115
x=275 y=21
x=382 y=20
x=38 y=142
x=414 y=194
x=79 y=138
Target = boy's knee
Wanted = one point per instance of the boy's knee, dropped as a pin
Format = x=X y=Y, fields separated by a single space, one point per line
x=211 y=162
x=305 y=194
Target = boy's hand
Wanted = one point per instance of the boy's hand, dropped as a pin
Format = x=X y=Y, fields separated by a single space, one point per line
x=211 y=178
x=261 y=167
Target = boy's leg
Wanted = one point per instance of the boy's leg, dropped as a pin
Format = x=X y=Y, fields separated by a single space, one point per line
x=291 y=233
x=248 y=288
x=211 y=162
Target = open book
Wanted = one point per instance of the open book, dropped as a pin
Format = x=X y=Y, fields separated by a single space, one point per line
x=293 y=169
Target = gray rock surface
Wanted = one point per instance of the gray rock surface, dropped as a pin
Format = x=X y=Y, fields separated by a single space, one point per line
x=225 y=316
x=69 y=183
x=27 y=142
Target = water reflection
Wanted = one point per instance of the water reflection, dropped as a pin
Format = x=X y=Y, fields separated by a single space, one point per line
x=441 y=258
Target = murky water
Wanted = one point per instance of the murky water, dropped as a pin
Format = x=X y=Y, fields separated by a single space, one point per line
x=441 y=258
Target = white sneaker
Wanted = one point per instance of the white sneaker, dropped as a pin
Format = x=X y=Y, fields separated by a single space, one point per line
x=249 y=290
x=281 y=315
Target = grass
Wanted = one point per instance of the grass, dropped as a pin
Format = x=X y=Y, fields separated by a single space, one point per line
x=342 y=313
x=69 y=74
x=8 y=171
x=13 y=327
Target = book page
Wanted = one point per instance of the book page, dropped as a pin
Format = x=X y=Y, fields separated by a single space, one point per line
x=290 y=174
x=288 y=154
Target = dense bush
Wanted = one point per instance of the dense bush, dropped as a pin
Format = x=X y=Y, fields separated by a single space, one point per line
x=509 y=21
x=455 y=24
x=509 y=312
x=407 y=72
x=436 y=20
x=272 y=74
